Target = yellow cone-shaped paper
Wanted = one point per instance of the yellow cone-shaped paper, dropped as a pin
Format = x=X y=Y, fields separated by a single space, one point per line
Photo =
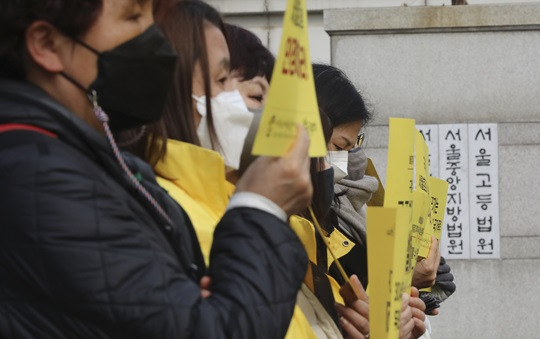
x=291 y=98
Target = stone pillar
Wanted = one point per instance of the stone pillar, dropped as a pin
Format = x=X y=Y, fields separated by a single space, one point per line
x=462 y=64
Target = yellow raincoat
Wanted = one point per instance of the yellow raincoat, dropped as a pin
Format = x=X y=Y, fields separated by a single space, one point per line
x=195 y=178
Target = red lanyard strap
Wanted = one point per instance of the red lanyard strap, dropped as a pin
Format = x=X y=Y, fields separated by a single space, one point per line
x=24 y=127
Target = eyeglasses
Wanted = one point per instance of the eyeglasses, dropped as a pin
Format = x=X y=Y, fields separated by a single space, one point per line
x=359 y=140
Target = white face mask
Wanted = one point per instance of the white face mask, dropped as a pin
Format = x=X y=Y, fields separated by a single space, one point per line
x=231 y=120
x=339 y=161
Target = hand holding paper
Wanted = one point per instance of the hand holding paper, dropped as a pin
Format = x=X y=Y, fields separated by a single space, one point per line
x=355 y=315
x=285 y=180
x=418 y=308
x=425 y=271
x=406 y=324
x=412 y=316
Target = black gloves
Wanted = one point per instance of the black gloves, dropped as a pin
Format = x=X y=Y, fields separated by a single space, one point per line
x=443 y=288
x=445 y=279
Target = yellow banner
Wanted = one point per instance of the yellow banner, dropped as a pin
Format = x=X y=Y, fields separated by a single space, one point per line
x=291 y=97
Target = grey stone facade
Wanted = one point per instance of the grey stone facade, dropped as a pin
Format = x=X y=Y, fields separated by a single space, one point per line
x=462 y=65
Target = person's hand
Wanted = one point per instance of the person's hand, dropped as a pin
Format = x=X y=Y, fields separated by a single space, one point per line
x=418 y=309
x=445 y=279
x=354 y=315
x=204 y=284
x=425 y=272
x=286 y=180
x=411 y=323
x=406 y=322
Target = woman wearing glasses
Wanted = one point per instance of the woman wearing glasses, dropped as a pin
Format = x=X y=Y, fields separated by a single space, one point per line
x=343 y=114
x=346 y=109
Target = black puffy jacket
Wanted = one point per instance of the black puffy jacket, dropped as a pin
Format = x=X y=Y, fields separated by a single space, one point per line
x=83 y=255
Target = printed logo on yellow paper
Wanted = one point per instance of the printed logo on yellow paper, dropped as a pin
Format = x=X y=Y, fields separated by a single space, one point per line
x=291 y=98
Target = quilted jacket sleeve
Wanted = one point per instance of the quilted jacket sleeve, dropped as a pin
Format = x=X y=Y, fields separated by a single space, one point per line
x=87 y=254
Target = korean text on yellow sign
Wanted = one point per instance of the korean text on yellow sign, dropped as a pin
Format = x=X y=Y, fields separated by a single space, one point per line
x=395 y=217
x=421 y=205
x=291 y=99
x=438 y=196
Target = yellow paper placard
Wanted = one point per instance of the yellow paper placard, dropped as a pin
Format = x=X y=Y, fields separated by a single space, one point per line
x=380 y=223
x=438 y=197
x=421 y=163
x=421 y=226
x=291 y=98
x=421 y=211
x=400 y=167
x=422 y=246
x=377 y=199
x=399 y=186
x=386 y=251
x=401 y=262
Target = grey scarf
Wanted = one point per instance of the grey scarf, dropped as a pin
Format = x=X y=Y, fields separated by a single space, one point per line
x=357 y=188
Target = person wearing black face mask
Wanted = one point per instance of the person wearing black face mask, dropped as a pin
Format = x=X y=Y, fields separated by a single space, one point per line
x=325 y=182
x=343 y=104
x=90 y=245
x=132 y=80
x=350 y=317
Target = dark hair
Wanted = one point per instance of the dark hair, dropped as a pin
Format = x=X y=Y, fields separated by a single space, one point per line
x=337 y=96
x=249 y=57
x=184 y=27
x=73 y=18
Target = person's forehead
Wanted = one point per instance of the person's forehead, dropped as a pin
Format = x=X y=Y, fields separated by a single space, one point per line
x=134 y=2
x=126 y=4
x=215 y=37
x=352 y=127
x=218 y=51
x=261 y=81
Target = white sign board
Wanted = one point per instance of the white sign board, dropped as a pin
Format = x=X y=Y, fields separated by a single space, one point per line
x=483 y=191
x=453 y=167
x=466 y=156
x=431 y=135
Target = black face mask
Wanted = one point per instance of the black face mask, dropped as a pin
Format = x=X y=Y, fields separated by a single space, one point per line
x=133 y=79
x=325 y=189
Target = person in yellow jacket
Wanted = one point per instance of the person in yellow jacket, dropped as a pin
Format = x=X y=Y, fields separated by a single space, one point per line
x=176 y=175
x=172 y=146
x=200 y=113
